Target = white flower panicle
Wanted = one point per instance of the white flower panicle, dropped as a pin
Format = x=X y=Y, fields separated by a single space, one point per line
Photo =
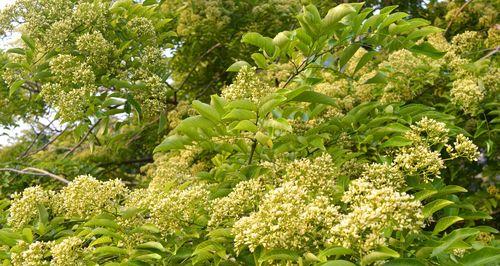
x=69 y=252
x=24 y=206
x=286 y=219
x=464 y=147
x=179 y=209
x=420 y=160
x=244 y=199
x=86 y=196
x=429 y=131
x=467 y=94
x=247 y=85
x=31 y=254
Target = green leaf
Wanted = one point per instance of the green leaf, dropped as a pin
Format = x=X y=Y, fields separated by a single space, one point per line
x=101 y=240
x=422 y=32
x=279 y=254
x=264 y=43
x=102 y=223
x=264 y=139
x=335 y=251
x=14 y=87
x=405 y=262
x=364 y=60
x=335 y=14
x=269 y=104
x=337 y=263
x=455 y=236
x=382 y=253
x=107 y=250
x=431 y=208
x=16 y=51
x=396 y=141
x=483 y=256
x=148 y=257
x=120 y=83
x=236 y=66
x=27 y=235
x=423 y=194
x=428 y=50
x=392 y=18
x=260 y=60
x=451 y=189
x=206 y=111
x=445 y=222
x=314 y=97
x=162 y=124
x=152 y=245
x=173 y=142
x=246 y=125
x=28 y=41
x=378 y=78
x=43 y=215
x=9 y=238
x=347 y=53
x=240 y=114
x=150 y=228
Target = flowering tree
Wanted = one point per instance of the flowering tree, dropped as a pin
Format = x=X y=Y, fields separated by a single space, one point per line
x=353 y=138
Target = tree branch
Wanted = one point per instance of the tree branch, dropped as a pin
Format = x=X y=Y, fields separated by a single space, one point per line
x=36 y=171
x=83 y=138
x=46 y=144
x=456 y=15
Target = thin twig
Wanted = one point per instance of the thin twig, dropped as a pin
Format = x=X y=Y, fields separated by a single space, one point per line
x=83 y=138
x=35 y=140
x=456 y=15
x=196 y=64
x=46 y=144
x=36 y=171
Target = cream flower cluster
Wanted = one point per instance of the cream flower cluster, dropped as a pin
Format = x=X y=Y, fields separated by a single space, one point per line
x=407 y=74
x=420 y=160
x=143 y=29
x=86 y=196
x=317 y=175
x=172 y=168
x=375 y=205
x=466 y=43
x=466 y=94
x=95 y=47
x=247 y=85
x=244 y=199
x=179 y=209
x=68 y=252
x=71 y=87
x=428 y=130
x=30 y=254
x=24 y=207
x=463 y=147
x=286 y=218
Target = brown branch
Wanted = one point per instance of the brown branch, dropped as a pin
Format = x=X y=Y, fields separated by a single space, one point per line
x=196 y=64
x=456 y=15
x=46 y=144
x=36 y=171
x=35 y=140
x=83 y=138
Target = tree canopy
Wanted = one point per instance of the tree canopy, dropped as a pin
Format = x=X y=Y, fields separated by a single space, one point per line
x=238 y=132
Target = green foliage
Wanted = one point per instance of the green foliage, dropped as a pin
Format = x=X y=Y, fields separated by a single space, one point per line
x=353 y=138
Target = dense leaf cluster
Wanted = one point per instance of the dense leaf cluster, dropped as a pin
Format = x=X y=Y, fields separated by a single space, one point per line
x=353 y=135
